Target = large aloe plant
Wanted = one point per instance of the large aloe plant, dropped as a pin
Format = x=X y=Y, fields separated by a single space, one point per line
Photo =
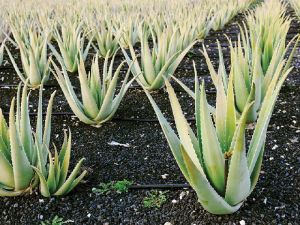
x=158 y=63
x=217 y=162
x=248 y=74
x=99 y=102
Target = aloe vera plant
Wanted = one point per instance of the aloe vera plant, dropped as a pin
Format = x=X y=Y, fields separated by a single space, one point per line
x=222 y=15
x=129 y=32
x=24 y=153
x=19 y=147
x=107 y=38
x=99 y=102
x=248 y=76
x=32 y=43
x=268 y=27
x=70 y=38
x=217 y=161
x=53 y=178
x=159 y=63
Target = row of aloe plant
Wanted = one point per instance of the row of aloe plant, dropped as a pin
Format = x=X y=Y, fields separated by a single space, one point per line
x=34 y=33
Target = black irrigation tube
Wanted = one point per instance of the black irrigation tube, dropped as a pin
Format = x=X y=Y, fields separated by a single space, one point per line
x=138 y=87
x=159 y=186
x=143 y=120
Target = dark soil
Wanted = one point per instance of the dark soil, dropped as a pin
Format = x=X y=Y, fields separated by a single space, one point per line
x=148 y=159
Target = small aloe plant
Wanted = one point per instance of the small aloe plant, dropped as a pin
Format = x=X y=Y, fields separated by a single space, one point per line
x=71 y=39
x=107 y=38
x=159 y=63
x=99 y=102
x=215 y=161
x=32 y=43
x=53 y=178
x=129 y=32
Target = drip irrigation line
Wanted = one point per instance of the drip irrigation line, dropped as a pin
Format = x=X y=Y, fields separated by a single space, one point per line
x=16 y=85
x=159 y=186
x=132 y=87
x=7 y=68
x=143 y=120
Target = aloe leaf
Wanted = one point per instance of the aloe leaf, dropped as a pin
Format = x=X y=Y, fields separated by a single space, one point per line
x=25 y=127
x=149 y=70
x=43 y=184
x=34 y=73
x=7 y=193
x=15 y=66
x=221 y=108
x=212 y=152
x=65 y=161
x=89 y=103
x=76 y=181
x=47 y=126
x=240 y=88
x=51 y=179
x=7 y=174
x=182 y=126
x=256 y=170
x=23 y=172
x=238 y=180
x=65 y=187
x=230 y=114
x=198 y=118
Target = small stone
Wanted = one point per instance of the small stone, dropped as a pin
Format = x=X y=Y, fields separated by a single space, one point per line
x=164 y=176
x=167 y=223
x=265 y=201
x=242 y=222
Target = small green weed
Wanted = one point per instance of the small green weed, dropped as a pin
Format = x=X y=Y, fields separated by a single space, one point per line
x=118 y=186
x=56 y=221
x=155 y=199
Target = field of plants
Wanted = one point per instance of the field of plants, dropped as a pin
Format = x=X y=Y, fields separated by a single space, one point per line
x=149 y=112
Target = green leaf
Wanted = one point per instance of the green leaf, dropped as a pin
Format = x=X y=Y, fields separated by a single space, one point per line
x=43 y=184
x=23 y=172
x=212 y=152
x=238 y=180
